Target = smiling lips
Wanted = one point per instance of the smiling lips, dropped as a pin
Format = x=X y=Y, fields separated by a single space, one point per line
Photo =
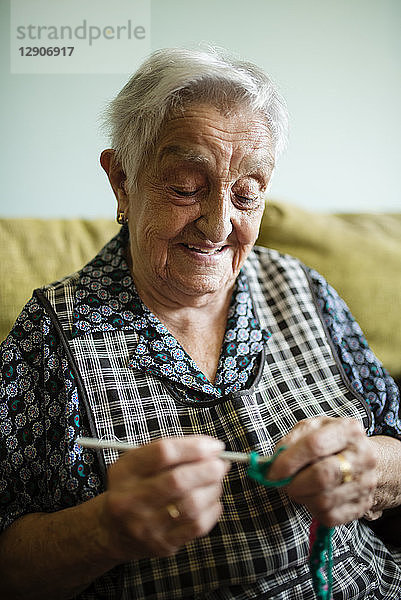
x=204 y=250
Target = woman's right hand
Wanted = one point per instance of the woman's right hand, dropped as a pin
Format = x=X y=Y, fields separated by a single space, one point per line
x=161 y=496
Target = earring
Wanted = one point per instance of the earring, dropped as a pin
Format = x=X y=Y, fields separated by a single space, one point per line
x=121 y=218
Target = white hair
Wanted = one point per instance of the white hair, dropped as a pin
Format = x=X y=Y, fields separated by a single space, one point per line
x=172 y=78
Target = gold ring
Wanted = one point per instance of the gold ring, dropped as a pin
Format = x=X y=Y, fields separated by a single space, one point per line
x=173 y=511
x=345 y=468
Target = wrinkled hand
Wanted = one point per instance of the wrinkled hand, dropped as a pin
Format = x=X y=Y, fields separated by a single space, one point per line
x=185 y=473
x=311 y=459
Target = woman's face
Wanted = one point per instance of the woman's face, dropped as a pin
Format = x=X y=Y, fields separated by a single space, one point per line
x=200 y=202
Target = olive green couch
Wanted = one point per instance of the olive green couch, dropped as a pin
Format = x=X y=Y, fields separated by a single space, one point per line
x=359 y=254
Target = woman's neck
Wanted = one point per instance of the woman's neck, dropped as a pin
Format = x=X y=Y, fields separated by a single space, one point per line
x=198 y=327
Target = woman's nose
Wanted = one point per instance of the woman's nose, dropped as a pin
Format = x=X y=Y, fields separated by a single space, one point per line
x=215 y=221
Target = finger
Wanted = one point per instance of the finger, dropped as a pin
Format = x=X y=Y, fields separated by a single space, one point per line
x=138 y=496
x=327 y=474
x=167 y=452
x=190 y=507
x=146 y=530
x=322 y=476
x=344 y=502
x=185 y=531
x=328 y=498
x=135 y=510
x=372 y=514
x=181 y=481
x=193 y=516
x=317 y=442
x=304 y=427
x=345 y=512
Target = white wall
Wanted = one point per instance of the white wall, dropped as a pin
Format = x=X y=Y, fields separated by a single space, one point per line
x=337 y=62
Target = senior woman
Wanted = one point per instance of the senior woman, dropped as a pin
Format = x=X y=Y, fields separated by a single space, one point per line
x=180 y=338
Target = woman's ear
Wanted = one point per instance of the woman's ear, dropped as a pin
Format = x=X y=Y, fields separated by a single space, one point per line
x=116 y=177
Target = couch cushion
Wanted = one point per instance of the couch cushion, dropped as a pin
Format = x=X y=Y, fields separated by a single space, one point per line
x=38 y=251
x=360 y=255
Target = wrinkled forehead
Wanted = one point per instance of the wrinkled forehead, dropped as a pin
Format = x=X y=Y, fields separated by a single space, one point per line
x=175 y=155
x=203 y=136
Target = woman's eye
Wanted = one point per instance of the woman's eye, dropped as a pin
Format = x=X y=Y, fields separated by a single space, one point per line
x=184 y=193
x=246 y=193
x=247 y=200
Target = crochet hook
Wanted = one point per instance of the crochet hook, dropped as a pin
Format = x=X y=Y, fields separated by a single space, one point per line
x=97 y=444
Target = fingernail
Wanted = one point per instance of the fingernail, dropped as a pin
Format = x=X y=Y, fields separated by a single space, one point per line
x=216 y=445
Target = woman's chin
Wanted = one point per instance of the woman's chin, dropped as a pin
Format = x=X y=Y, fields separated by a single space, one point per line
x=197 y=285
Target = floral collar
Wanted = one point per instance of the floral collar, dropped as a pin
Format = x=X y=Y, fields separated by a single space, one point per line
x=106 y=299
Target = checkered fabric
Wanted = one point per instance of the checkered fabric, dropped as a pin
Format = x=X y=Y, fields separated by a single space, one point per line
x=259 y=547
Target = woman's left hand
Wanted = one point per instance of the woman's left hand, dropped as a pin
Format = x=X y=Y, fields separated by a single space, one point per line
x=333 y=465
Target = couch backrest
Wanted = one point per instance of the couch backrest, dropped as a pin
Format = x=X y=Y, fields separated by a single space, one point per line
x=360 y=255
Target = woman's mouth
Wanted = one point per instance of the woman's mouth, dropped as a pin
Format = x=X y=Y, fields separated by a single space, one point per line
x=205 y=250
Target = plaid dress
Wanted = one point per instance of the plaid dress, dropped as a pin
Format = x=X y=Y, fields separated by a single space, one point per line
x=259 y=547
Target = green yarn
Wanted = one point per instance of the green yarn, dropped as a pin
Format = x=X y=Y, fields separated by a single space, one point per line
x=321 y=553
x=321 y=548
x=258 y=470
